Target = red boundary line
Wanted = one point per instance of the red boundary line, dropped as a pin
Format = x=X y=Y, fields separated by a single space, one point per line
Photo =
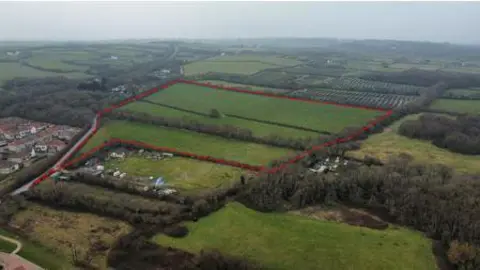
x=143 y=145
x=144 y=94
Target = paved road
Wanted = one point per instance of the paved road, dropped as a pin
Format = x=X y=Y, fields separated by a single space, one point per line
x=13 y=241
x=58 y=165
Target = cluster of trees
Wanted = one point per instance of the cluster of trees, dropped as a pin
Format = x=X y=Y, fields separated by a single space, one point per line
x=226 y=131
x=460 y=134
x=54 y=100
x=94 y=85
x=430 y=198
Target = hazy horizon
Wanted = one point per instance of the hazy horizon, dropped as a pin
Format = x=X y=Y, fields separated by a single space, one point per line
x=452 y=22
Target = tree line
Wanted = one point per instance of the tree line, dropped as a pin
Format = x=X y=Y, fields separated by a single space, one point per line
x=460 y=134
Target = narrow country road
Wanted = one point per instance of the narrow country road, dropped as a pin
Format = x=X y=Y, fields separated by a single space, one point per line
x=58 y=165
x=13 y=241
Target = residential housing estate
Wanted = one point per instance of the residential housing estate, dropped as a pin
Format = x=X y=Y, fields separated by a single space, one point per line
x=23 y=141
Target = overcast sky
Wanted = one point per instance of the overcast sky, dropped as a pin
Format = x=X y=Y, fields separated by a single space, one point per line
x=427 y=21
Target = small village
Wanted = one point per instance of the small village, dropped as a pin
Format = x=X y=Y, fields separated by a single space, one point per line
x=22 y=142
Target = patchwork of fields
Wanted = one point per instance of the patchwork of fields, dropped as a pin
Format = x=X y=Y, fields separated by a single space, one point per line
x=237 y=64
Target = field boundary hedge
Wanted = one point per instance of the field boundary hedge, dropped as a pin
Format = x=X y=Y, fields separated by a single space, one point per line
x=371 y=124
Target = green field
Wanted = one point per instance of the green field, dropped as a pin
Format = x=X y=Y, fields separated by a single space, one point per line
x=258 y=129
x=246 y=68
x=247 y=86
x=467 y=92
x=239 y=64
x=305 y=114
x=10 y=71
x=251 y=153
x=50 y=62
x=454 y=105
x=40 y=255
x=390 y=143
x=180 y=173
x=285 y=241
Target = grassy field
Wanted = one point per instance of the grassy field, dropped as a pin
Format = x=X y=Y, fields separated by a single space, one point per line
x=468 y=91
x=390 y=143
x=247 y=86
x=53 y=59
x=255 y=154
x=9 y=71
x=239 y=64
x=245 y=68
x=40 y=255
x=273 y=60
x=181 y=173
x=59 y=230
x=310 y=115
x=258 y=129
x=285 y=241
x=453 y=105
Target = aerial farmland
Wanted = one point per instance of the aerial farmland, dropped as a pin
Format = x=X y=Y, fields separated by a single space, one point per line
x=193 y=152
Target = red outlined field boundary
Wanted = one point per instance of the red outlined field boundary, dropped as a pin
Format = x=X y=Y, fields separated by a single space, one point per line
x=142 y=145
x=95 y=126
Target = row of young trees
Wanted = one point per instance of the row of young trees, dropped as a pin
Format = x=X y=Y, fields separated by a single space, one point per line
x=460 y=134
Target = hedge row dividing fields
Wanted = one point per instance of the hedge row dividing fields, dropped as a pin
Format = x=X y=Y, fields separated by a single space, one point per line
x=376 y=100
x=356 y=84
